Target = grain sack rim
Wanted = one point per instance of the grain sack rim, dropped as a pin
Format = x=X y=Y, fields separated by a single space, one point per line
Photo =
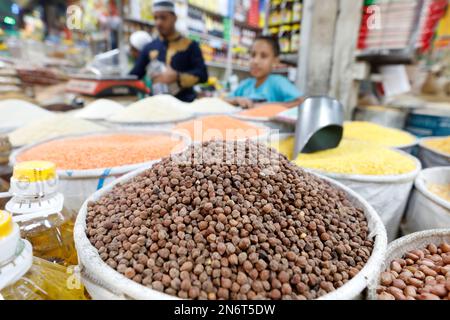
x=402 y=245
x=420 y=185
x=108 y=278
x=149 y=123
x=69 y=174
x=390 y=179
x=436 y=152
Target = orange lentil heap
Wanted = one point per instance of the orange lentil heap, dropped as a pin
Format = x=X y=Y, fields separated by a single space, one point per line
x=264 y=111
x=219 y=128
x=103 y=151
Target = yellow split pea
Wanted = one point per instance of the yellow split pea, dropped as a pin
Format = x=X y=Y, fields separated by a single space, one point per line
x=374 y=133
x=352 y=157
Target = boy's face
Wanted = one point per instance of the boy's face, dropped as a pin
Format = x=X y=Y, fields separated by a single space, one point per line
x=262 y=59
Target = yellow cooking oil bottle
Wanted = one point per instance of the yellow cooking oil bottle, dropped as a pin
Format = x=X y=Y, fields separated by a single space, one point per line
x=38 y=208
x=24 y=277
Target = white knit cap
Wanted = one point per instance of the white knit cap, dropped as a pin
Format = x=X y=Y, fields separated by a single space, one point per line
x=163 y=5
x=139 y=39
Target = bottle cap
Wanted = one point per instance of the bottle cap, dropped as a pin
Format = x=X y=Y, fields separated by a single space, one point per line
x=34 y=171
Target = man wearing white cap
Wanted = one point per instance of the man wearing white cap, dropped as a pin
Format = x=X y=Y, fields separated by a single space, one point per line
x=183 y=57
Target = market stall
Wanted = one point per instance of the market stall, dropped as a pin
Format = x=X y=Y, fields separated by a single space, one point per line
x=166 y=167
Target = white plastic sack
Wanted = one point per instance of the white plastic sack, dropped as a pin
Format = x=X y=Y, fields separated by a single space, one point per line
x=78 y=185
x=105 y=283
x=432 y=158
x=398 y=248
x=427 y=210
x=388 y=195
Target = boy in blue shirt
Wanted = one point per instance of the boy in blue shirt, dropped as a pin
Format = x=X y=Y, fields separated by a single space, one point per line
x=264 y=86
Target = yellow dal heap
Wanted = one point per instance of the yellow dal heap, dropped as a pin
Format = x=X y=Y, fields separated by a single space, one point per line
x=352 y=157
x=370 y=132
x=441 y=145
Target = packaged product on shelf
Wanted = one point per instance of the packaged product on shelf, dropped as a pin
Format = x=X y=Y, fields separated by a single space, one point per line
x=297 y=11
x=285 y=39
x=286 y=12
x=26 y=278
x=295 y=38
x=275 y=13
x=38 y=208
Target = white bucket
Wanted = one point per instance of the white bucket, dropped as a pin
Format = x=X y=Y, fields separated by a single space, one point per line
x=398 y=248
x=432 y=158
x=77 y=185
x=426 y=210
x=105 y=283
x=388 y=195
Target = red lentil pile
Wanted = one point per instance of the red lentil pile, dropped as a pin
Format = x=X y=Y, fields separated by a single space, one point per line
x=103 y=151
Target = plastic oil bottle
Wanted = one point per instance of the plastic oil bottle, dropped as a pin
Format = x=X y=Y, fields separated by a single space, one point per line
x=24 y=277
x=38 y=209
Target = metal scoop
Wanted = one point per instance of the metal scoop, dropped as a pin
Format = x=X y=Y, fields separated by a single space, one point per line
x=319 y=125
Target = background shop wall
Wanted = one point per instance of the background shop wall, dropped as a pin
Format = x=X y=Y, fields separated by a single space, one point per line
x=327 y=53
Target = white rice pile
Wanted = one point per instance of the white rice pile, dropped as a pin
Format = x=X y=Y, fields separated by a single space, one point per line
x=51 y=128
x=157 y=109
x=212 y=106
x=17 y=113
x=99 y=110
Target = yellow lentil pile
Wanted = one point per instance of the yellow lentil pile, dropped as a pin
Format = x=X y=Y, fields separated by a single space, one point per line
x=440 y=145
x=354 y=157
x=441 y=190
x=373 y=133
x=285 y=147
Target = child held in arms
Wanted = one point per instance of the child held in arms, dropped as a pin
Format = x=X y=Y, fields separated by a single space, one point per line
x=263 y=86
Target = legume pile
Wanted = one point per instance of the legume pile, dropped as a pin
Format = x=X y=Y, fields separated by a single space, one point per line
x=216 y=230
x=373 y=133
x=103 y=151
x=353 y=157
x=422 y=274
x=441 y=190
x=219 y=128
x=52 y=127
x=440 y=145
x=264 y=111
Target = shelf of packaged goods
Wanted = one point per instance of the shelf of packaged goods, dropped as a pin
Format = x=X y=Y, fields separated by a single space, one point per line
x=208 y=12
x=284 y=24
x=207 y=36
x=246 y=26
x=147 y=23
x=220 y=16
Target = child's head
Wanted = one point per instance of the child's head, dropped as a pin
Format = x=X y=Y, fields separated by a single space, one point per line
x=264 y=55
